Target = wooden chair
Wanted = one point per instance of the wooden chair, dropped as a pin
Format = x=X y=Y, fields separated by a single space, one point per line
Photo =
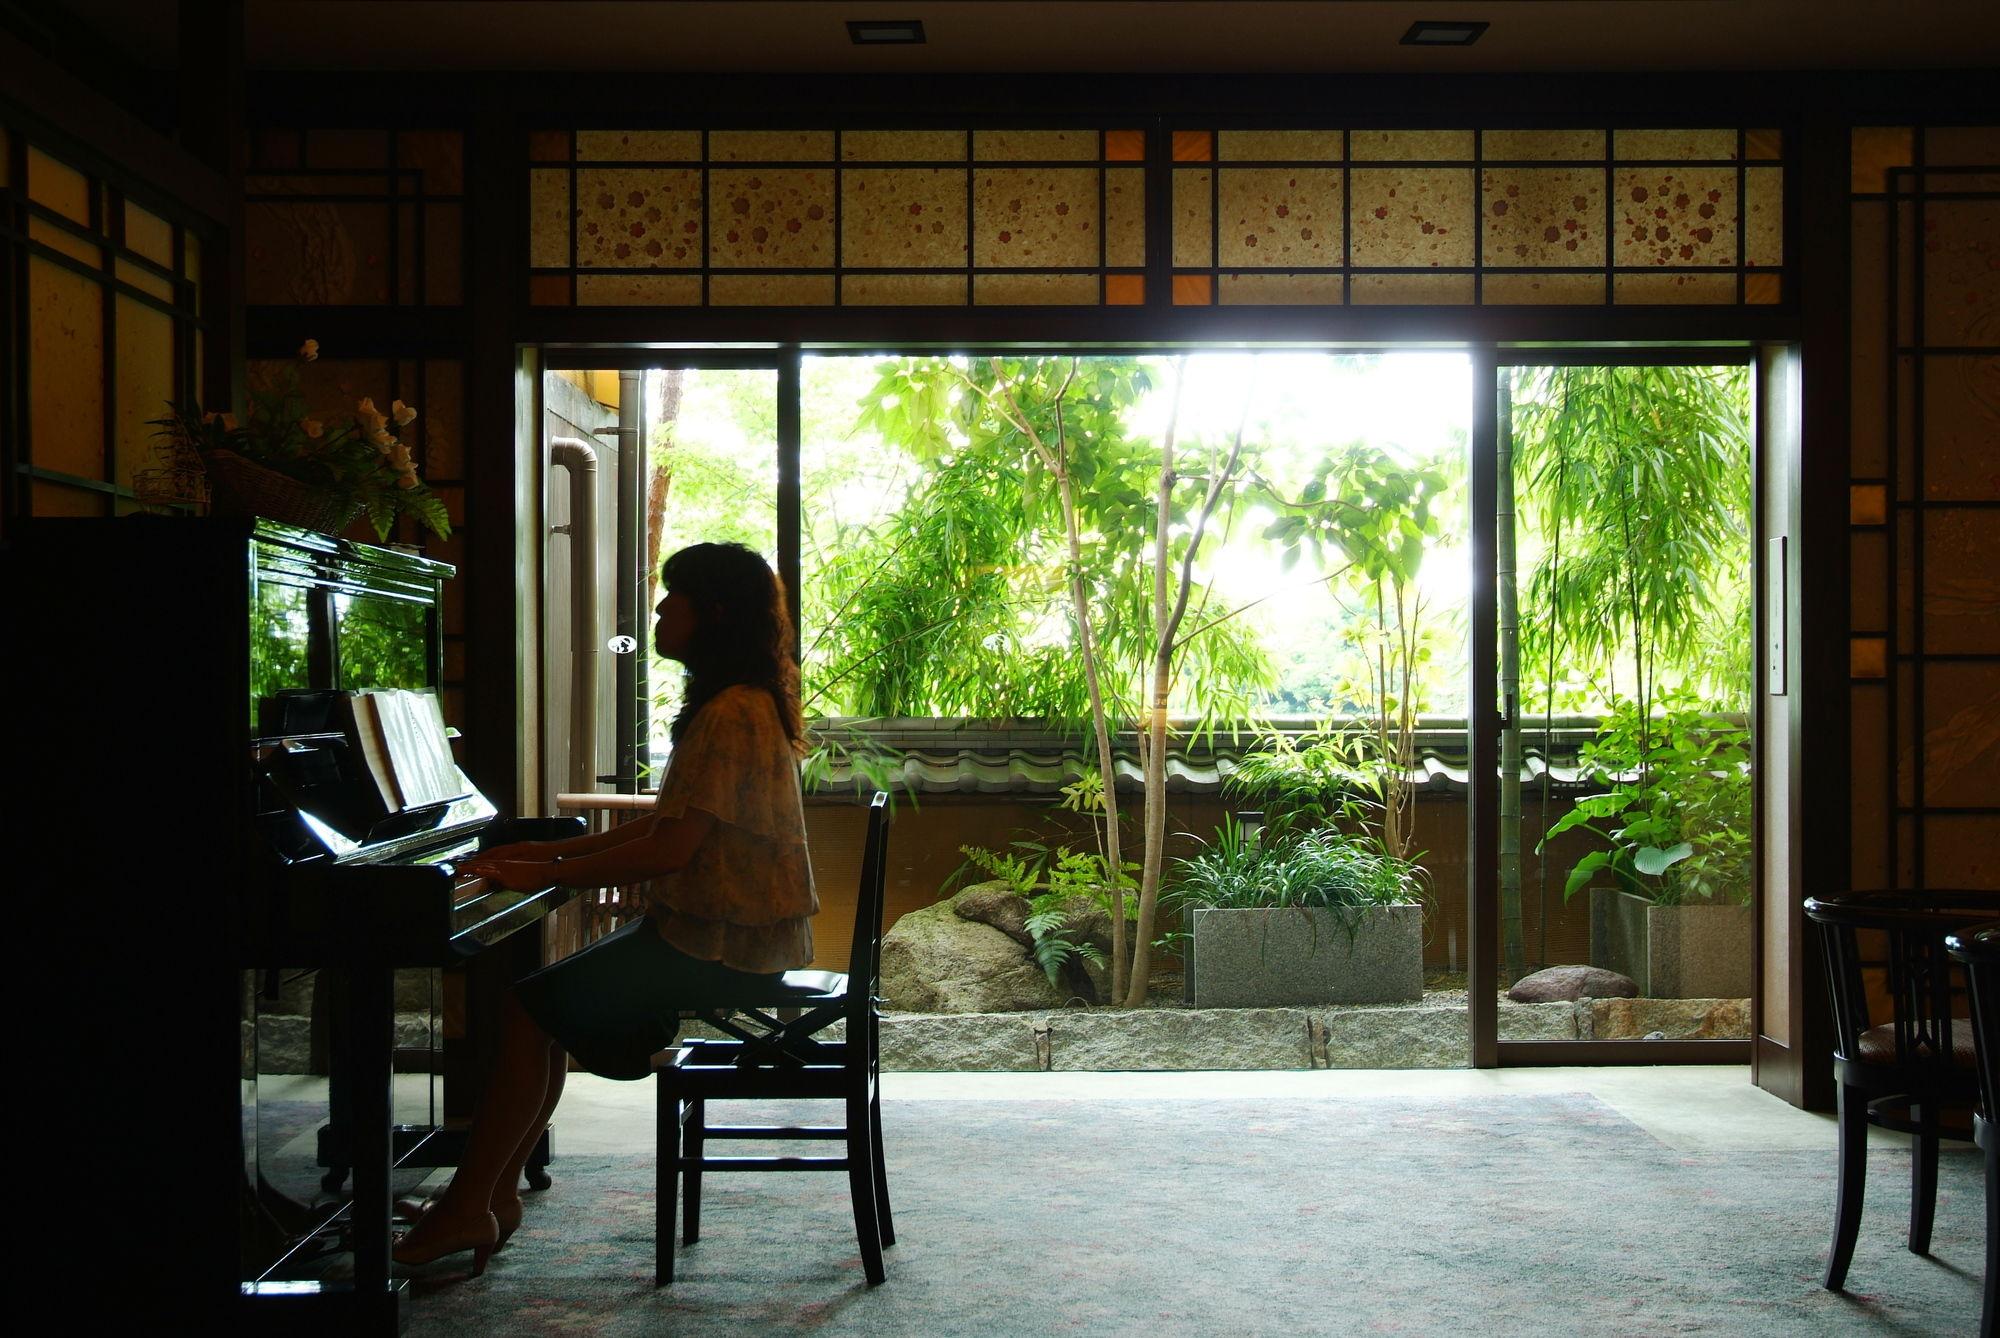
x=1979 y=950
x=770 y=1056
x=1903 y=1056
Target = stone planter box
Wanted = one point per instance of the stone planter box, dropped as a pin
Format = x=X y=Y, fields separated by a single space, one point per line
x=1672 y=952
x=1264 y=958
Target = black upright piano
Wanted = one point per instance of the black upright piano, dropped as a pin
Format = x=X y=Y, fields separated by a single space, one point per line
x=199 y=820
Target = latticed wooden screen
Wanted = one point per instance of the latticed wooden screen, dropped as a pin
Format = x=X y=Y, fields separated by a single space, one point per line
x=1324 y=217
x=800 y=218
x=108 y=314
x=1463 y=217
x=1924 y=507
x=355 y=218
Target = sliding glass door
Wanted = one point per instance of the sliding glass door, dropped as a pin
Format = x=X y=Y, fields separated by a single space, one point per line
x=1614 y=655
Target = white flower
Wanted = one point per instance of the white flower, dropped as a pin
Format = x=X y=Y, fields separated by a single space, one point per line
x=402 y=413
x=406 y=480
x=382 y=441
x=372 y=420
x=229 y=422
x=309 y=350
x=399 y=459
x=312 y=427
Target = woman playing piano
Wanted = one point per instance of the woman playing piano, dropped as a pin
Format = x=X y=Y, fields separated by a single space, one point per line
x=733 y=903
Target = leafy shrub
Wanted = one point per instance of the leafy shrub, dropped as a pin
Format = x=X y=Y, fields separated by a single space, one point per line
x=1677 y=816
x=1057 y=882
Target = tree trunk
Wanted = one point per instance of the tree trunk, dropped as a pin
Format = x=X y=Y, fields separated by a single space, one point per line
x=660 y=477
x=1101 y=726
x=1156 y=717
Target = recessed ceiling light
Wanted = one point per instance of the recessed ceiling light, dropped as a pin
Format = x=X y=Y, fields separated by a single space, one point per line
x=885 y=32
x=1426 y=32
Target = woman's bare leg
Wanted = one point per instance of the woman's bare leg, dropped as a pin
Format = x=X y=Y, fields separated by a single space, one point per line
x=516 y=1094
x=506 y=1200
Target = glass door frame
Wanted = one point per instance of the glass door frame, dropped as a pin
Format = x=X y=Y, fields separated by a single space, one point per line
x=781 y=360
x=1485 y=1049
x=1485 y=718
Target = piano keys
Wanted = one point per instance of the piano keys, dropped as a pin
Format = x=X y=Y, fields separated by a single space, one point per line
x=176 y=688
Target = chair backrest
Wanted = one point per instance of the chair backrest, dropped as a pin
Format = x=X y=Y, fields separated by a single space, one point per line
x=1922 y=982
x=1979 y=949
x=864 y=962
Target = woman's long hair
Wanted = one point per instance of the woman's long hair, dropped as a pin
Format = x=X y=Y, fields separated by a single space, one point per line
x=742 y=631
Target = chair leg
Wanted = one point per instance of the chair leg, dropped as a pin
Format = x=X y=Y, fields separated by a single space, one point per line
x=1923 y=1179
x=694 y=1138
x=1853 y=1122
x=861 y=1185
x=882 y=1214
x=1989 y=1310
x=666 y=1108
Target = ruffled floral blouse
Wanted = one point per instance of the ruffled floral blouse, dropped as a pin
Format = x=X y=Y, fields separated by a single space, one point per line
x=745 y=898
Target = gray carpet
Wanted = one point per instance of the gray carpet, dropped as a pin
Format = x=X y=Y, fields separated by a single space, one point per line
x=1528 y=1214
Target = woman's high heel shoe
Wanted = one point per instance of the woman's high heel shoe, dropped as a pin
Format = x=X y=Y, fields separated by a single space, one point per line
x=412 y=1252
x=510 y=1222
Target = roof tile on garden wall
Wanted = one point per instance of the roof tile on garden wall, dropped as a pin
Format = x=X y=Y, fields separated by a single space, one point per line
x=1031 y=759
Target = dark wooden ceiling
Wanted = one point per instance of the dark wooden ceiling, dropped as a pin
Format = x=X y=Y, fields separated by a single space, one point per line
x=1137 y=36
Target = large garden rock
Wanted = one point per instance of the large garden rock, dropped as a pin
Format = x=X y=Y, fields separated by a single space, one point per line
x=933 y=961
x=1570 y=983
x=996 y=904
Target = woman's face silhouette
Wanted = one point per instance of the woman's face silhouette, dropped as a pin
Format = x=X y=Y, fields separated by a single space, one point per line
x=674 y=632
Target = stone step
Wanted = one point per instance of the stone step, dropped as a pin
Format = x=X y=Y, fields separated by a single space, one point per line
x=1171 y=1039
x=1177 y=1039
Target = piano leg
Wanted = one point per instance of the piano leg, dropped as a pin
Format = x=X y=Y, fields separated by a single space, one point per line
x=370 y=1039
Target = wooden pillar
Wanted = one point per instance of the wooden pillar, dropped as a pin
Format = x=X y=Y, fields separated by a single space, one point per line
x=500 y=491
x=212 y=117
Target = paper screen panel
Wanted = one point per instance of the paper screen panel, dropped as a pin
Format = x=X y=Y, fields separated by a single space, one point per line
x=912 y=217
x=65 y=370
x=1543 y=217
x=1961 y=283
x=895 y=146
x=1032 y=217
x=1194 y=217
x=638 y=218
x=1278 y=217
x=1675 y=216
x=1409 y=217
x=145 y=383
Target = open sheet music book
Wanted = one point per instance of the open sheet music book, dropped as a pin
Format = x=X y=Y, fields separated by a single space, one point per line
x=402 y=737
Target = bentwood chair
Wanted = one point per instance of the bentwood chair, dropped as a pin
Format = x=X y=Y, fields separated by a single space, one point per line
x=1903 y=1054
x=1979 y=950
x=770 y=1056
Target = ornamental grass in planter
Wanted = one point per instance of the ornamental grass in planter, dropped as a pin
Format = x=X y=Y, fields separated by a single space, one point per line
x=1326 y=917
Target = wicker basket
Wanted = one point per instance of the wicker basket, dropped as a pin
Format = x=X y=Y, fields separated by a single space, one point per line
x=245 y=488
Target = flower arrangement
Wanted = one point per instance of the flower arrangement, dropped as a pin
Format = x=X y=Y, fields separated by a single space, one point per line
x=344 y=467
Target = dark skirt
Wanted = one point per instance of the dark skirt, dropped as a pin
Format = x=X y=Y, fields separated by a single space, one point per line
x=616 y=1004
